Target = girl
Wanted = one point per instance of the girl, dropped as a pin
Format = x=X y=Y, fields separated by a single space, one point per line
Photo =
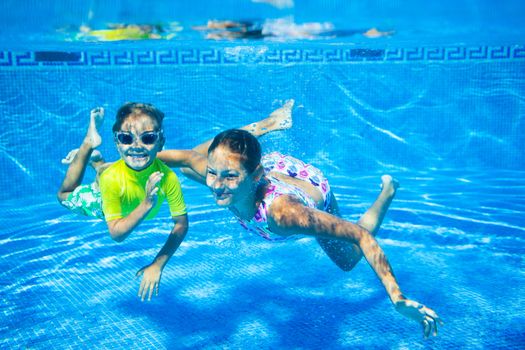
x=277 y=196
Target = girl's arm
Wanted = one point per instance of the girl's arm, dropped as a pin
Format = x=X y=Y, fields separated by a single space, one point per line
x=192 y=163
x=288 y=216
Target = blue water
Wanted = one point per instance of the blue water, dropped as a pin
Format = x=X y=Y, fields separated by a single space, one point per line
x=438 y=106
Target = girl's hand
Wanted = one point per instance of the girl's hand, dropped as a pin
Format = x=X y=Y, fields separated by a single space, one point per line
x=420 y=313
x=152 y=188
x=150 y=281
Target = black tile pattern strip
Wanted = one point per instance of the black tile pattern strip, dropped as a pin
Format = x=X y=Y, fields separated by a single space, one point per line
x=251 y=55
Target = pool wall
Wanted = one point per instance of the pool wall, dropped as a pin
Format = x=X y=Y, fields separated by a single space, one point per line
x=379 y=107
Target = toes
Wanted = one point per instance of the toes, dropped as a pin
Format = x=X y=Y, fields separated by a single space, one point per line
x=70 y=156
x=289 y=103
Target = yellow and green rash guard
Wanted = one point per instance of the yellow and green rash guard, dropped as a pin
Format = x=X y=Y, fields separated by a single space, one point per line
x=123 y=188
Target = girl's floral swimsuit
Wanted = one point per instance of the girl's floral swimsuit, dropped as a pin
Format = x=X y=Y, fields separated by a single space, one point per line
x=293 y=167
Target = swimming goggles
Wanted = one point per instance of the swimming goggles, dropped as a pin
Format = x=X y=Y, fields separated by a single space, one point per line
x=147 y=138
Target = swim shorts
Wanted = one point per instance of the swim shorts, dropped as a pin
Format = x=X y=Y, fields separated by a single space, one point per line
x=85 y=200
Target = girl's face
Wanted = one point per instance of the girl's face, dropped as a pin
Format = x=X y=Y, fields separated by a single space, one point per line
x=227 y=178
x=138 y=141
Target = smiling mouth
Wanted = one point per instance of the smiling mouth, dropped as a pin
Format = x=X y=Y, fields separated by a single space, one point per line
x=137 y=156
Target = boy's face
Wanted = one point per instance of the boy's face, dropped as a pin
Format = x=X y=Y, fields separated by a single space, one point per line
x=138 y=141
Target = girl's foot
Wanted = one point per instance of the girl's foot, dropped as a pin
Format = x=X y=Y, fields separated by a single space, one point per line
x=279 y=119
x=389 y=185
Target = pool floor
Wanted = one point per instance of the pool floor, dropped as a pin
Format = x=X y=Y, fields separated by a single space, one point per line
x=66 y=285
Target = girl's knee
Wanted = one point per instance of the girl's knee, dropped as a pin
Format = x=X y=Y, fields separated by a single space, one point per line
x=347 y=265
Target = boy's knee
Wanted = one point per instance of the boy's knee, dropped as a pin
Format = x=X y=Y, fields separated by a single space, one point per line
x=117 y=239
x=62 y=196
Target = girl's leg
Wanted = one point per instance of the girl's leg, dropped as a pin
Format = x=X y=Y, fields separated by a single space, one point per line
x=279 y=119
x=77 y=167
x=373 y=217
x=347 y=255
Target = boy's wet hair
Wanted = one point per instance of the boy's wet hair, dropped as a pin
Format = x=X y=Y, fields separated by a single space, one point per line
x=240 y=142
x=130 y=108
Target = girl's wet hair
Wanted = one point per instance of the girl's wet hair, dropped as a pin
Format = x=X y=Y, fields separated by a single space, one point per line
x=135 y=108
x=240 y=142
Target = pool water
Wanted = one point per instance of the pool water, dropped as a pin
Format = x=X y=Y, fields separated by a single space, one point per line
x=443 y=113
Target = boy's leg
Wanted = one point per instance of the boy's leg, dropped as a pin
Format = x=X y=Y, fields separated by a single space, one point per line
x=347 y=255
x=77 y=167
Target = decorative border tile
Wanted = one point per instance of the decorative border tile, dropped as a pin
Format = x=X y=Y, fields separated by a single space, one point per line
x=257 y=55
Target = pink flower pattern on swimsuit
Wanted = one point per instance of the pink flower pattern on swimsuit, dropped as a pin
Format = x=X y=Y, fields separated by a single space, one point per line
x=293 y=167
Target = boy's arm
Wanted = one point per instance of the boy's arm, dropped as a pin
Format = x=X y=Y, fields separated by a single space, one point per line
x=119 y=229
x=152 y=272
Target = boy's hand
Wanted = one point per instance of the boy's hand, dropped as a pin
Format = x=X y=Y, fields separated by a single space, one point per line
x=150 y=281
x=152 y=187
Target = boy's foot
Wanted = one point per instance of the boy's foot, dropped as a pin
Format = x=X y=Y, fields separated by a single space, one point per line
x=96 y=156
x=96 y=119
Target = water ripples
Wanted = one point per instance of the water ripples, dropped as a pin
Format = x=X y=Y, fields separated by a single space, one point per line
x=451 y=208
x=457 y=210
